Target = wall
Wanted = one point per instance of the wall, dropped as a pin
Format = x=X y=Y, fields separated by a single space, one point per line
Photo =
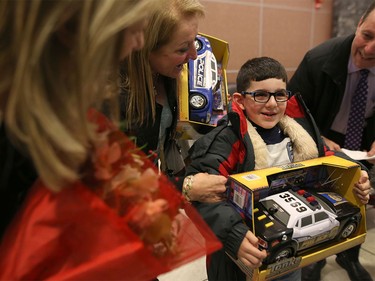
x=346 y=14
x=282 y=29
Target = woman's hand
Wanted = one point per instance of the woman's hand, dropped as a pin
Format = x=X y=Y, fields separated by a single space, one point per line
x=204 y=187
x=362 y=188
x=249 y=253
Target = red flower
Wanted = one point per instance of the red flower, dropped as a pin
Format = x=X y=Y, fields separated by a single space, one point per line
x=131 y=188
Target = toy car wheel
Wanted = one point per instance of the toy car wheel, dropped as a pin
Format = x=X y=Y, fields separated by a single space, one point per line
x=348 y=230
x=198 y=101
x=198 y=44
x=282 y=254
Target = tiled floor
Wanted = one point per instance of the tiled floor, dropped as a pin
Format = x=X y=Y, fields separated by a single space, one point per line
x=195 y=271
x=333 y=272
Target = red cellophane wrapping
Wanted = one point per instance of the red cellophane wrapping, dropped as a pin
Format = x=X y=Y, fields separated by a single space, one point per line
x=122 y=222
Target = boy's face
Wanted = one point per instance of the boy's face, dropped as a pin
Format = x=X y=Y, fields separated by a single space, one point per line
x=265 y=115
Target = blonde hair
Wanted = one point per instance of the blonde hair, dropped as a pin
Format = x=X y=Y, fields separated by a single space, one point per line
x=47 y=85
x=136 y=69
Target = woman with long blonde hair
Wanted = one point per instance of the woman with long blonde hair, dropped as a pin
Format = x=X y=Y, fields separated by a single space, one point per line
x=56 y=59
x=149 y=106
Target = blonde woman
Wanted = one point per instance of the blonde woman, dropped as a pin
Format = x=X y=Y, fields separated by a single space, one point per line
x=56 y=57
x=149 y=105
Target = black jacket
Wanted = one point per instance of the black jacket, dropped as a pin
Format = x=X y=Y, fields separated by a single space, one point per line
x=17 y=174
x=147 y=134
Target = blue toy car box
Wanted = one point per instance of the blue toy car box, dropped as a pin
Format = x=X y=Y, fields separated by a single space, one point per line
x=203 y=88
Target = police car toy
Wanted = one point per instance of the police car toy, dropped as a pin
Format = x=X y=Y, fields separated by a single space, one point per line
x=295 y=220
x=203 y=77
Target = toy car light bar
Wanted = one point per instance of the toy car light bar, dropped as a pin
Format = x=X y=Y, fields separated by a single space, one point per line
x=306 y=197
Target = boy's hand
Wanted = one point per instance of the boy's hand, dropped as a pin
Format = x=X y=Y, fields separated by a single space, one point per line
x=331 y=144
x=362 y=188
x=249 y=253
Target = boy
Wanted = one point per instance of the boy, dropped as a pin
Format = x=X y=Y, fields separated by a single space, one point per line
x=264 y=127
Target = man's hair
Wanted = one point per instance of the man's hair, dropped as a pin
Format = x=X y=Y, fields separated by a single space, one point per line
x=259 y=69
x=368 y=11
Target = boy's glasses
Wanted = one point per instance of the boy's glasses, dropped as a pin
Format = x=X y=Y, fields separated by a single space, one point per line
x=264 y=96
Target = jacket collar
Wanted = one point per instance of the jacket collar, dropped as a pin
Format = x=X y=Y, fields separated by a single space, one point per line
x=336 y=65
x=304 y=147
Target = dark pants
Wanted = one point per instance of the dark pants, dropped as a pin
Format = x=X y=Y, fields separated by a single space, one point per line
x=351 y=254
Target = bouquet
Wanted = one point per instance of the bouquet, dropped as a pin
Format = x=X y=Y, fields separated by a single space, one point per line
x=122 y=221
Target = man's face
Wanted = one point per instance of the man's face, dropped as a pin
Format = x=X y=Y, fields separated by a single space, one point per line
x=363 y=46
x=265 y=115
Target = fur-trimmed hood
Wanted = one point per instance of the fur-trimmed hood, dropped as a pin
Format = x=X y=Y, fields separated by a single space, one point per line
x=304 y=147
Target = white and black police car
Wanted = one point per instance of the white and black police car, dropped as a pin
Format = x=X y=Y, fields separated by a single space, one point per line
x=297 y=219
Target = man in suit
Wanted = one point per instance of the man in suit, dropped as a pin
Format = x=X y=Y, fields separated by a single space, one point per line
x=327 y=79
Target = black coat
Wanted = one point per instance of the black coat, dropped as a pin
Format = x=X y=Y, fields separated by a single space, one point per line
x=17 y=174
x=147 y=134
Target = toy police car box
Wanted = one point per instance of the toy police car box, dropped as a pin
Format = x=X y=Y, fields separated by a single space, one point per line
x=300 y=212
x=203 y=88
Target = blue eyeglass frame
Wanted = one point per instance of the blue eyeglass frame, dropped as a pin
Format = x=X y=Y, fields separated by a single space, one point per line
x=270 y=95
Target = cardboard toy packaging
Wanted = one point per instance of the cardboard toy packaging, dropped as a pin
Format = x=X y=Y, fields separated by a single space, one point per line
x=331 y=176
x=203 y=89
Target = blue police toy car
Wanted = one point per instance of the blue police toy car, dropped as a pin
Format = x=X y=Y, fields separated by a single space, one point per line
x=203 y=78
